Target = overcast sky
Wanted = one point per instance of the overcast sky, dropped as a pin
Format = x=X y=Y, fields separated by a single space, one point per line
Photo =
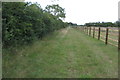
x=83 y=11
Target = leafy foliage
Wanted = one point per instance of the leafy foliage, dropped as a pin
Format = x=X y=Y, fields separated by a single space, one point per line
x=56 y=10
x=25 y=22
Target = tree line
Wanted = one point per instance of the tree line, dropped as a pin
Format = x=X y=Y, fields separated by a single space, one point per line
x=24 y=22
x=97 y=24
x=103 y=24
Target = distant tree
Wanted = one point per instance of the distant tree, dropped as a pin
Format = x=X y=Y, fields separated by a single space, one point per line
x=101 y=24
x=72 y=24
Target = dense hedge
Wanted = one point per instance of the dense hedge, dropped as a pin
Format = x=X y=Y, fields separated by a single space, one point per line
x=25 y=22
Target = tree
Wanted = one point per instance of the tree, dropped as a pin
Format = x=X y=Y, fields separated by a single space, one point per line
x=56 y=10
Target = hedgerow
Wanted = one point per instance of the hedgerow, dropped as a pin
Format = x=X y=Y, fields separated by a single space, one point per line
x=24 y=22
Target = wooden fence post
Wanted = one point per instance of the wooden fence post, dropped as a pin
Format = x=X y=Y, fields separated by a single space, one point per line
x=94 y=32
x=84 y=29
x=119 y=38
x=99 y=34
x=106 y=40
x=90 y=31
x=87 y=30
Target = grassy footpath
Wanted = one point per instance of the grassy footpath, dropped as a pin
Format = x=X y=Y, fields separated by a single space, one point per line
x=64 y=54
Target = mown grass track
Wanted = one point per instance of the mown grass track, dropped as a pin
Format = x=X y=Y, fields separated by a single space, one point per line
x=67 y=53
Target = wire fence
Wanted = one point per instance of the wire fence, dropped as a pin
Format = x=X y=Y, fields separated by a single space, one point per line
x=109 y=35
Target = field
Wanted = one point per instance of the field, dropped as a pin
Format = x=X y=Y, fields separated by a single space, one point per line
x=67 y=53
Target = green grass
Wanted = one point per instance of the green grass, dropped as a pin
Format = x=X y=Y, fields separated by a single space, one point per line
x=63 y=54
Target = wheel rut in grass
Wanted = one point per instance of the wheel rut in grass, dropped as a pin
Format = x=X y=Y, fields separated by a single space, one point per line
x=70 y=52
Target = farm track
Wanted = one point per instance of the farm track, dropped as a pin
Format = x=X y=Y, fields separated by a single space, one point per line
x=67 y=53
